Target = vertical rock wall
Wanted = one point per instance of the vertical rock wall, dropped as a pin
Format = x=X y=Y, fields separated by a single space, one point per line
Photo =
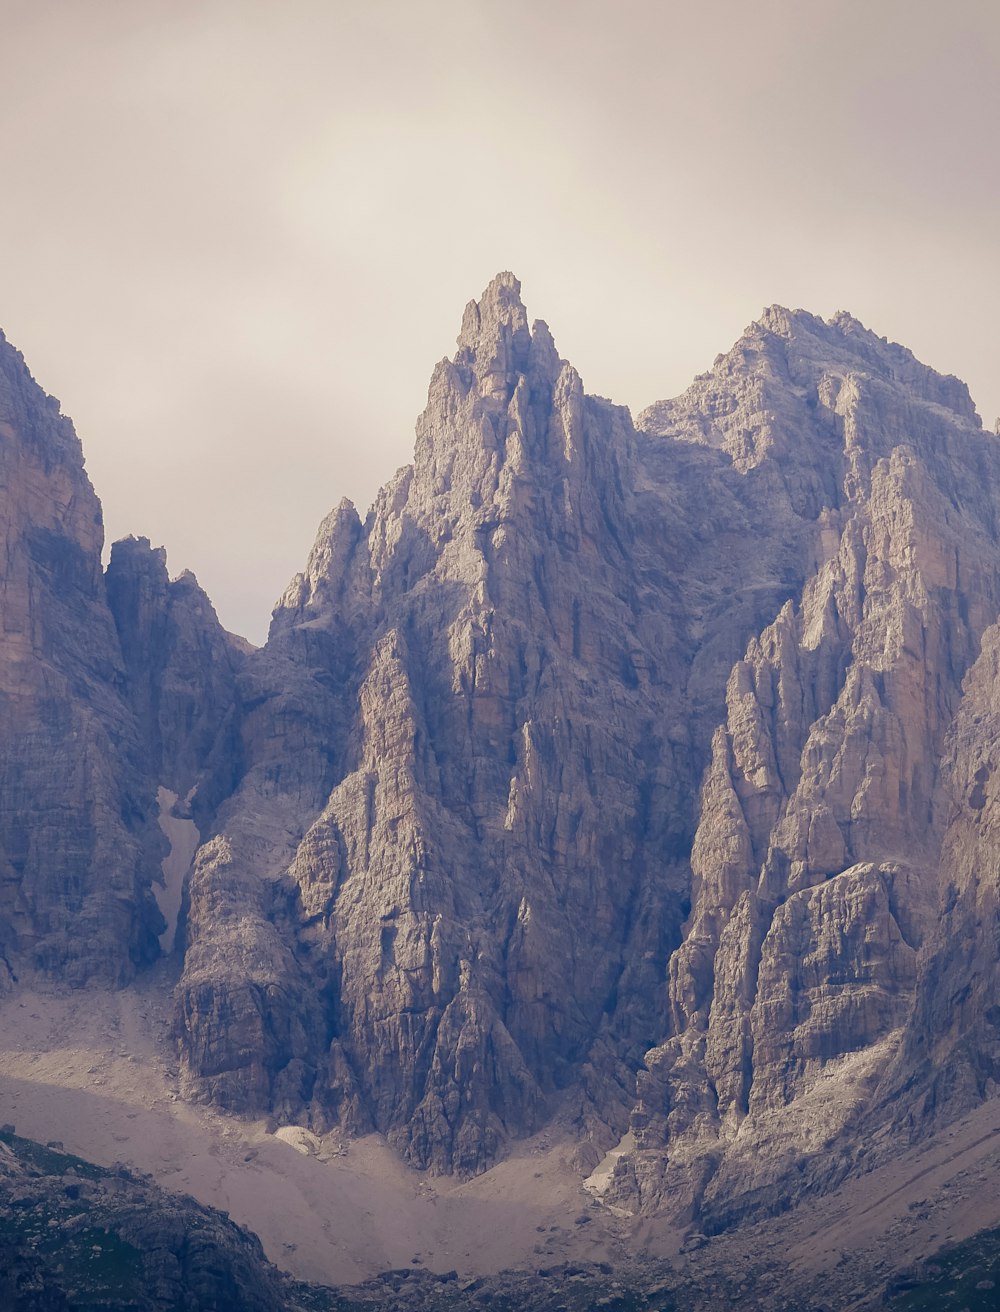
x=816 y=864
x=76 y=818
x=590 y=744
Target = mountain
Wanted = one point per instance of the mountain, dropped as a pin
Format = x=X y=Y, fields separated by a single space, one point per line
x=442 y=899
x=74 y=1235
x=824 y=854
x=76 y=837
x=632 y=781
x=110 y=686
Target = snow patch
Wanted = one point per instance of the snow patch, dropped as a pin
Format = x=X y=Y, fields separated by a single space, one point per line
x=182 y=835
x=303 y=1141
x=597 y=1182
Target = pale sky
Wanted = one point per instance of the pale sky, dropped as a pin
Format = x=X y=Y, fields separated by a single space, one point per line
x=236 y=235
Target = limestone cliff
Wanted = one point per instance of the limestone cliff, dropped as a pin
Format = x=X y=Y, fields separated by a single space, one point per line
x=109 y=688
x=950 y=1059
x=180 y=676
x=75 y=817
x=595 y=751
x=443 y=899
x=442 y=911
x=816 y=860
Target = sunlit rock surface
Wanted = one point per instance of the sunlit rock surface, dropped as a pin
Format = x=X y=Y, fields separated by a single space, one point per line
x=817 y=869
x=636 y=779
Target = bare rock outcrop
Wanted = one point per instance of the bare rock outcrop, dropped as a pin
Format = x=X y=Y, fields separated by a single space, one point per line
x=77 y=826
x=816 y=861
x=443 y=898
x=513 y=683
x=594 y=753
x=110 y=687
x=489 y=693
x=950 y=1057
x=180 y=676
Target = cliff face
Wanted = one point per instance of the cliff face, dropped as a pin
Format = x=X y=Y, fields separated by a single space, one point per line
x=99 y=704
x=74 y=815
x=817 y=860
x=457 y=864
x=180 y=669
x=457 y=861
x=483 y=796
x=595 y=749
x=950 y=1059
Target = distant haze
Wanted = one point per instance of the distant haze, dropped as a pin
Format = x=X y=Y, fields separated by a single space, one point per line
x=237 y=236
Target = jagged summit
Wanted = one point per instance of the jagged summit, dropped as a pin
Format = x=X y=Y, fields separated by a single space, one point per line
x=459 y=889
x=597 y=777
x=426 y=642
x=500 y=308
x=34 y=418
x=843 y=343
x=788 y=370
x=496 y=348
x=74 y=895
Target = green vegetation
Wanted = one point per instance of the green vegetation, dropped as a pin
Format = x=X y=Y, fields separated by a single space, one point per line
x=51 y=1161
x=97 y=1267
x=50 y=1229
x=962 y=1278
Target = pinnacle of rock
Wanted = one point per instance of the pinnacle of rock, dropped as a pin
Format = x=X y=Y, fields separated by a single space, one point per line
x=638 y=776
x=499 y=308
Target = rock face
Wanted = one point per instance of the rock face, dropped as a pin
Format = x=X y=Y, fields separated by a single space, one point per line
x=817 y=860
x=75 y=835
x=951 y=1057
x=99 y=704
x=180 y=675
x=459 y=791
x=594 y=749
x=442 y=900
x=560 y=658
x=76 y=1235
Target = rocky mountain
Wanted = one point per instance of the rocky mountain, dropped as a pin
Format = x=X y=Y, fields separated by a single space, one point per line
x=614 y=777
x=110 y=685
x=74 y=819
x=818 y=873
x=442 y=899
x=74 y=1235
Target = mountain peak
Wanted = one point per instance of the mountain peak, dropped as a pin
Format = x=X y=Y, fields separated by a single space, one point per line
x=581 y=742
x=499 y=306
x=810 y=346
x=847 y=322
x=780 y=321
x=495 y=339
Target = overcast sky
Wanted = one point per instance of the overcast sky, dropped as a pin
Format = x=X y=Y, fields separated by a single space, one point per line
x=236 y=236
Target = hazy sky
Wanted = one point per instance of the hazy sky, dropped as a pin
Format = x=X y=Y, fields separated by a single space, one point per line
x=236 y=236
